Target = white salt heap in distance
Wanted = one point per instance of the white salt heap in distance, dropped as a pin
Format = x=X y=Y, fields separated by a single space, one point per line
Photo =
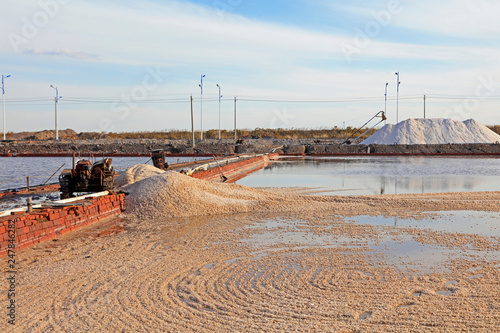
x=433 y=131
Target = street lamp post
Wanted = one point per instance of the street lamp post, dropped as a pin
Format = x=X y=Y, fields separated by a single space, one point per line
x=385 y=108
x=56 y=99
x=397 y=99
x=220 y=96
x=3 y=102
x=201 y=88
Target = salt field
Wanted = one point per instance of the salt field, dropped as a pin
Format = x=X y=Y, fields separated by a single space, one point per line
x=320 y=263
x=197 y=256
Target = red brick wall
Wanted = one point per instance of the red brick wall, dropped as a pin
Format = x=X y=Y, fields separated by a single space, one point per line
x=45 y=224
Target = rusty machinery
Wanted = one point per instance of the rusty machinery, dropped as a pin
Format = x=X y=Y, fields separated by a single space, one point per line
x=86 y=176
x=158 y=157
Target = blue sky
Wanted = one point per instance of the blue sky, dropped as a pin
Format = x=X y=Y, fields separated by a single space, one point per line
x=132 y=65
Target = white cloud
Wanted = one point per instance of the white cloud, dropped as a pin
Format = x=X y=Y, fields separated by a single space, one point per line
x=248 y=58
x=476 y=19
x=63 y=53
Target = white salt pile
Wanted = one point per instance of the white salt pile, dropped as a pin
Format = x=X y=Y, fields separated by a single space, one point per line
x=433 y=131
x=136 y=173
x=171 y=194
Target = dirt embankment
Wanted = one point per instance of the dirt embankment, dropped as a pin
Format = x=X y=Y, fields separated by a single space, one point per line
x=286 y=146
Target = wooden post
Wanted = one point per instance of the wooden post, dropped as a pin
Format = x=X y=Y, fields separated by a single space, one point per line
x=30 y=205
x=28 y=182
x=192 y=122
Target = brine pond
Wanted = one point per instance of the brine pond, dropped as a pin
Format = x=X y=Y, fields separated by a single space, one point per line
x=353 y=175
x=359 y=175
x=14 y=170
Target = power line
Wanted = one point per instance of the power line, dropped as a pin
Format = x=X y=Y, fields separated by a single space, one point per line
x=37 y=101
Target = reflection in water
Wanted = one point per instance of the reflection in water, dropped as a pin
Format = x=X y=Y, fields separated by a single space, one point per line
x=464 y=222
x=398 y=247
x=381 y=175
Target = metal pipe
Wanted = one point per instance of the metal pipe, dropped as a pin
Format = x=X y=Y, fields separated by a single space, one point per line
x=367 y=131
x=375 y=116
x=54 y=174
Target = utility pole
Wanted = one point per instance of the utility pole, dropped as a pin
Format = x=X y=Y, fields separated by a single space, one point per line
x=235 y=137
x=425 y=97
x=192 y=121
x=220 y=96
x=57 y=102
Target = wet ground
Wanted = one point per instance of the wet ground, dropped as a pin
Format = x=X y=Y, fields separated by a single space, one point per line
x=254 y=272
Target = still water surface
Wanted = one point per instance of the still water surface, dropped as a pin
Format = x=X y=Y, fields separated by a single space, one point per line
x=381 y=175
x=14 y=170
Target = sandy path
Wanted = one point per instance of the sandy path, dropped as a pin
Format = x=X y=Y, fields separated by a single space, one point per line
x=298 y=270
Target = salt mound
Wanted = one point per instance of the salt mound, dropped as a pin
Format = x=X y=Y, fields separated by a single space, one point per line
x=171 y=194
x=433 y=131
x=136 y=173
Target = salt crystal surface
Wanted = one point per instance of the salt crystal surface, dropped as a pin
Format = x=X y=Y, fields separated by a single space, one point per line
x=433 y=131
